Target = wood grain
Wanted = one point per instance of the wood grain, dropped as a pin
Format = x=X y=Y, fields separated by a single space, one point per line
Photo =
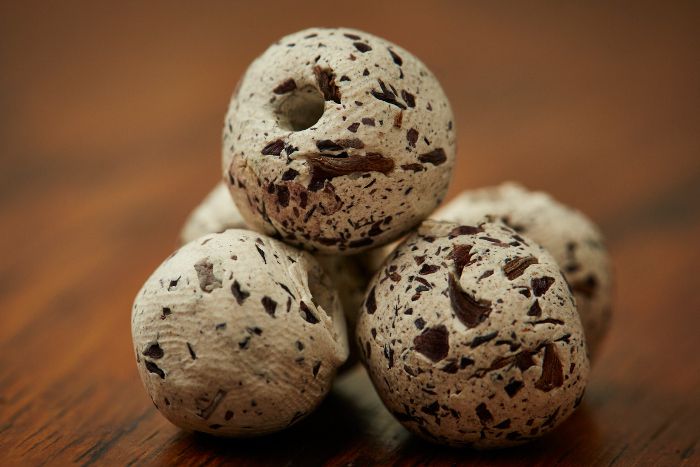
x=109 y=134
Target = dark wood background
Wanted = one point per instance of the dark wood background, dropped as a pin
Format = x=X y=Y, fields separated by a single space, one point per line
x=110 y=123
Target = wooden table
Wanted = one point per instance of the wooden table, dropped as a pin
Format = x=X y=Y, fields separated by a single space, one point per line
x=109 y=134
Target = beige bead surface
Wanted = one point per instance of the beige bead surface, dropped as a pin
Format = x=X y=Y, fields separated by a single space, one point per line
x=237 y=334
x=471 y=336
x=570 y=237
x=216 y=213
x=338 y=141
x=349 y=276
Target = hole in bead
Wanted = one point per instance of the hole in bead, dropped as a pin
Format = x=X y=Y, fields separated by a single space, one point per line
x=300 y=109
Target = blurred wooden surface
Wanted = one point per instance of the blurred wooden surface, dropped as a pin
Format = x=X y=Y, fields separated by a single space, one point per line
x=110 y=124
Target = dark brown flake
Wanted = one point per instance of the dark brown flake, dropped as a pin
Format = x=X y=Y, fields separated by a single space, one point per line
x=386 y=95
x=451 y=367
x=191 y=351
x=326 y=83
x=354 y=143
x=270 y=305
x=408 y=98
x=289 y=174
x=307 y=314
x=540 y=285
x=552 y=372
x=327 y=241
x=467 y=309
x=282 y=195
x=462 y=257
x=485 y=275
x=465 y=362
x=513 y=387
x=435 y=157
x=273 y=148
x=478 y=340
x=431 y=409
x=375 y=229
x=464 y=230
x=362 y=47
x=396 y=57
x=517 y=266
x=154 y=351
x=415 y=167
x=398 y=119
x=495 y=241
x=239 y=294
x=547 y=321
x=328 y=145
x=262 y=253
x=286 y=289
x=433 y=342
x=412 y=137
x=371 y=302
x=503 y=425
x=484 y=414
x=286 y=86
x=325 y=168
x=153 y=368
x=535 y=309
x=523 y=360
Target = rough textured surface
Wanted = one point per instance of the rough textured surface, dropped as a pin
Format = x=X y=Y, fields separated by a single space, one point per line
x=237 y=334
x=216 y=213
x=570 y=237
x=471 y=336
x=328 y=133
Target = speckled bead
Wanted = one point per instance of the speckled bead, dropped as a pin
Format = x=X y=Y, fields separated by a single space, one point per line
x=237 y=334
x=337 y=141
x=348 y=274
x=567 y=234
x=471 y=336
